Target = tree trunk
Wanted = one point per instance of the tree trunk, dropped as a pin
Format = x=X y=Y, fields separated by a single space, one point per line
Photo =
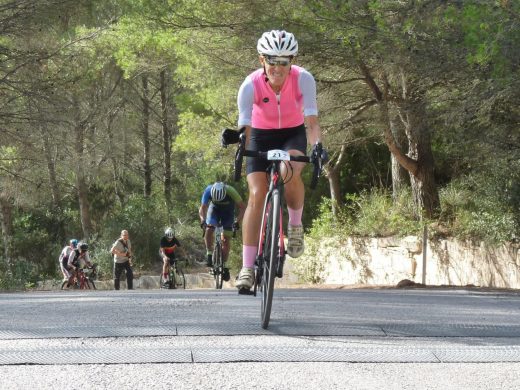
x=332 y=171
x=118 y=190
x=51 y=169
x=424 y=186
x=419 y=159
x=167 y=145
x=398 y=172
x=53 y=183
x=147 y=170
x=6 y=219
x=81 y=183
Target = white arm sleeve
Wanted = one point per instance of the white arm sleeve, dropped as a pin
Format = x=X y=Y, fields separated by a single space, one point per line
x=72 y=256
x=308 y=88
x=245 y=102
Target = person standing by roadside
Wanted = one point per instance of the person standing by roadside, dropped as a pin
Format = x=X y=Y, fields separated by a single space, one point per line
x=64 y=258
x=122 y=251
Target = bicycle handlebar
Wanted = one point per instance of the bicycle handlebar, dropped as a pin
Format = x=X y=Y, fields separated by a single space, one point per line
x=234 y=229
x=242 y=151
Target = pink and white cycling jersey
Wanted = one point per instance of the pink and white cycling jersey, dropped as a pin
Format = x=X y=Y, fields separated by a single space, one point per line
x=260 y=107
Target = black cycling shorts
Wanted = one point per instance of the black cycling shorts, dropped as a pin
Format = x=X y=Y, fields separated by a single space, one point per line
x=293 y=138
x=172 y=258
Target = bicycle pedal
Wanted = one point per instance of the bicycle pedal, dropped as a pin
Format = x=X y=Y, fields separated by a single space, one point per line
x=245 y=291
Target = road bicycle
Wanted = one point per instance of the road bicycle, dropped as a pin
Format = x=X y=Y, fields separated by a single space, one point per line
x=271 y=247
x=176 y=278
x=220 y=273
x=83 y=279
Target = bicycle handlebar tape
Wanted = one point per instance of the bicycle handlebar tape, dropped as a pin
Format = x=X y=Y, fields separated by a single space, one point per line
x=317 y=160
x=239 y=156
x=238 y=165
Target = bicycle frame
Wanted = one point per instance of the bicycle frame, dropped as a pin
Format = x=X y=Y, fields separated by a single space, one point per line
x=218 y=256
x=83 y=280
x=219 y=230
x=176 y=276
x=275 y=183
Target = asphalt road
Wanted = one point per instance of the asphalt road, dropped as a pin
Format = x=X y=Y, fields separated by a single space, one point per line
x=317 y=338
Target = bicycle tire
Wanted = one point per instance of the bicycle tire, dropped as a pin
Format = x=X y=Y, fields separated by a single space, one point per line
x=90 y=281
x=270 y=253
x=218 y=266
x=179 y=278
x=83 y=282
x=172 y=283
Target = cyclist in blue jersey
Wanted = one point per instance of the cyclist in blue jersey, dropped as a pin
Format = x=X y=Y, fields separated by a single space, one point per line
x=218 y=208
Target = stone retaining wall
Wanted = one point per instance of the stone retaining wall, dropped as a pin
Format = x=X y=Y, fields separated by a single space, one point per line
x=386 y=261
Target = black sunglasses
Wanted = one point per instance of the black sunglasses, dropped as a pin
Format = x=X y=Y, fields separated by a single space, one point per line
x=282 y=61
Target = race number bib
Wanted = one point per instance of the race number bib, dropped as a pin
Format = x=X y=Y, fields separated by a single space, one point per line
x=276 y=154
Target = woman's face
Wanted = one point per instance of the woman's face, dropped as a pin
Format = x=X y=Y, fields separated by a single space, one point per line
x=277 y=69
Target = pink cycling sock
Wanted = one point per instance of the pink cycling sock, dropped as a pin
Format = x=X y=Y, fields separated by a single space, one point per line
x=249 y=256
x=295 y=216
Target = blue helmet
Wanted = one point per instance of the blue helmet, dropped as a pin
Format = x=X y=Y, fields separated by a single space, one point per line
x=74 y=243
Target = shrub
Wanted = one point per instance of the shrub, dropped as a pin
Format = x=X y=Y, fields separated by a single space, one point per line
x=376 y=214
x=474 y=208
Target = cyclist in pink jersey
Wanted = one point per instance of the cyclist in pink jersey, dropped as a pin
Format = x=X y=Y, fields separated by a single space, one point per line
x=277 y=106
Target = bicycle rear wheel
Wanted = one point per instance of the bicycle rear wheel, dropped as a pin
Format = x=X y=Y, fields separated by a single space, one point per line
x=270 y=254
x=218 y=266
x=179 y=278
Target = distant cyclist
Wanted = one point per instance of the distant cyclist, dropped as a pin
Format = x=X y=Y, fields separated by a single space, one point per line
x=277 y=106
x=218 y=208
x=169 y=246
x=77 y=258
x=64 y=258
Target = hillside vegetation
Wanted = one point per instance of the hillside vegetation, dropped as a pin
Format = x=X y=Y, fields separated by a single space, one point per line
x=111 y=113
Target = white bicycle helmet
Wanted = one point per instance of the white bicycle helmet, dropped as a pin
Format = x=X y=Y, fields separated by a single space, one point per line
x=169 y=233
x=218 y=191
x=277 y=43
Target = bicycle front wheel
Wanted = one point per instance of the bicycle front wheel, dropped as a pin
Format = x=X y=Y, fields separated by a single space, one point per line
x=83 y=283
x=180 y=279
x=270 y=254
x=162 y=282
x=218 y=267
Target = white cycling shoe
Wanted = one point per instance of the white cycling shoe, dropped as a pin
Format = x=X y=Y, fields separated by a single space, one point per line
x=295 y=245
x=245 y=278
